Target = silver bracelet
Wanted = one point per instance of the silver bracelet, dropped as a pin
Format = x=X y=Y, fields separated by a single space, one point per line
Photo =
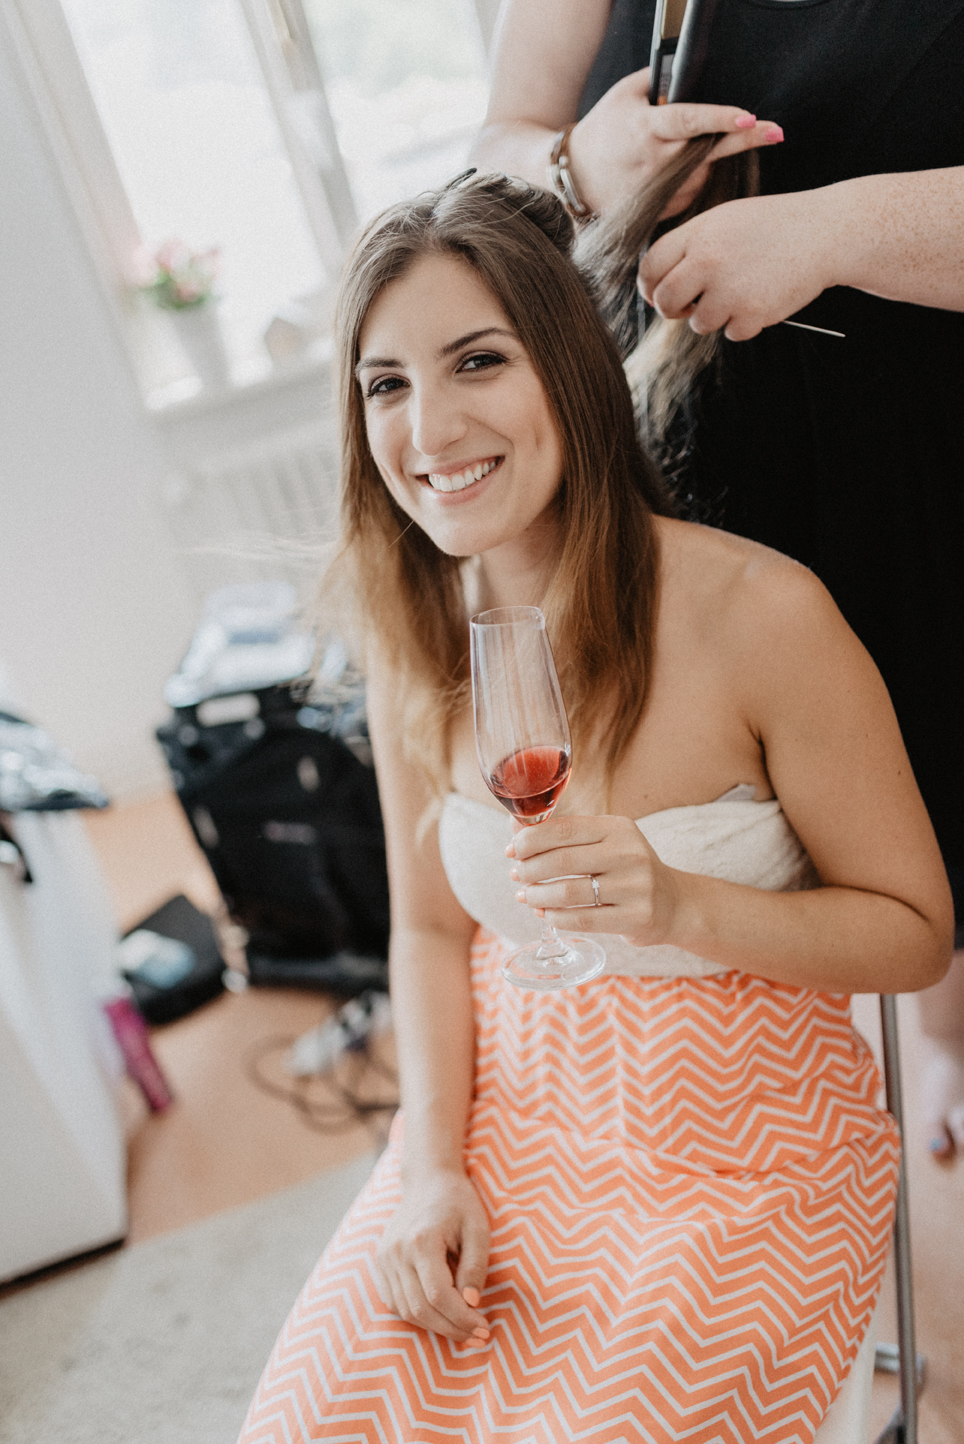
x=560 y=177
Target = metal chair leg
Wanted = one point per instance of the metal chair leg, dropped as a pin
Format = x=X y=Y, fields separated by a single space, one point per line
x=902 y=1428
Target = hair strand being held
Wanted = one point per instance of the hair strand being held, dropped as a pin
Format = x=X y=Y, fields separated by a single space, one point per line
x=663 y=364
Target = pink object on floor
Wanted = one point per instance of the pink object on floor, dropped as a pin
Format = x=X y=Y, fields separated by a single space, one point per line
x=133 y=1039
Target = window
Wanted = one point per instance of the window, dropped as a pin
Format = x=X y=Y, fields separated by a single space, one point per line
x=264 y=128
x=407 y=87
x=196 y=141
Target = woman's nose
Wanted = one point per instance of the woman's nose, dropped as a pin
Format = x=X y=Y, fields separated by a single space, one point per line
x=437 y=421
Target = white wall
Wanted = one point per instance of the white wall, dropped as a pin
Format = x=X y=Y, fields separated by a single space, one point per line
x=95 y=609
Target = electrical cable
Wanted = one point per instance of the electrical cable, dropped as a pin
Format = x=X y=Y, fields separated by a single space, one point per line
x=348 y=1107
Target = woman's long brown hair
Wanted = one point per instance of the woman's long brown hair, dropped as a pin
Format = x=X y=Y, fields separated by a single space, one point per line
x=601 y=598
x=663 y=364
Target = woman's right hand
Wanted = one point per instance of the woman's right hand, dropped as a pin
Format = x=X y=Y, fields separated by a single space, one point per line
x=436 y=1248
x=624 y=141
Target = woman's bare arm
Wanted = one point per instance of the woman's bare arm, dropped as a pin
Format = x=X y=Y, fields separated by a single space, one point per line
x=543 y=53
x=751 y=263
x=882 y=921
x=441 y=1216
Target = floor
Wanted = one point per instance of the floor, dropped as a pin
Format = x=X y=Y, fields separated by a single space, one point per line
x=228 y=1141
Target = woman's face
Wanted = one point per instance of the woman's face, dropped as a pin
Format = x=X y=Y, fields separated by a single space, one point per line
x=458 y=422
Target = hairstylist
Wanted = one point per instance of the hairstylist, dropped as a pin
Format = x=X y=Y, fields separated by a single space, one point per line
x=846 y=452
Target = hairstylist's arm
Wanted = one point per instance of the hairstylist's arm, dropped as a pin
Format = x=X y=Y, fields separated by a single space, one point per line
x=543 y=53
x=440 y=1216
x=752 y=263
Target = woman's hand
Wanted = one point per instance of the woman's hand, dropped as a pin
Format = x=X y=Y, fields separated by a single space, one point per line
x=434 y=1251
x=745 y=264
x=751 y=263
x=624 y=141
x=639 y=896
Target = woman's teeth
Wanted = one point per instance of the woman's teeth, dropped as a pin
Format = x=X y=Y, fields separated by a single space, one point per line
x=459 y=480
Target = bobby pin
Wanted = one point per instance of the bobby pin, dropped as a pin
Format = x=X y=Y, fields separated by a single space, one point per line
x=821 y=330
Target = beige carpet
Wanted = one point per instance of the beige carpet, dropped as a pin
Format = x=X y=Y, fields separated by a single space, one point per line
x=164 y=1342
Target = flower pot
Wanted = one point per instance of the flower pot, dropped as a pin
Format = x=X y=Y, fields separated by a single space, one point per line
x=198 y=329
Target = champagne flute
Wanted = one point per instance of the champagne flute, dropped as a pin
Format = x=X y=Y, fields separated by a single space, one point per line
x=524 y=750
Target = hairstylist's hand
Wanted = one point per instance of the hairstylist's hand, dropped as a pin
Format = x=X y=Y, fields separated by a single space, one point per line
x=746 y=264
x=435 y=1247
x=639 y=896
x=624 y=141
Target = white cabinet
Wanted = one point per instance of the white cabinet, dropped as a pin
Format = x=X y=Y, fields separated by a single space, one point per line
x=62 y=1155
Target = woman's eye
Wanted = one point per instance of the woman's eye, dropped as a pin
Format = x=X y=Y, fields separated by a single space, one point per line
x=482 y=361
x=384 y=386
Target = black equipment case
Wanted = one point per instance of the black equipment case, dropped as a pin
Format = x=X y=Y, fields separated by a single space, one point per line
x=281 y=795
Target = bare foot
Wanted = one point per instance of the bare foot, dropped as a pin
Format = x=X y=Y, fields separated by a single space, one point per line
x=942 y=1056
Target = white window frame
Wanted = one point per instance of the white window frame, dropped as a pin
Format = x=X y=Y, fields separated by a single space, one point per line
x=288 y=63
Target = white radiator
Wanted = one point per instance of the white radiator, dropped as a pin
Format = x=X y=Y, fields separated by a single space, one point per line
x=255 y=513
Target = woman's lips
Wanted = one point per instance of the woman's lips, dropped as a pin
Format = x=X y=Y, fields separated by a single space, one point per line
x=460 y=480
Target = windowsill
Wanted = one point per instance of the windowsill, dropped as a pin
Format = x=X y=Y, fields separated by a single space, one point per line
x=188 y=397
x=294 y=396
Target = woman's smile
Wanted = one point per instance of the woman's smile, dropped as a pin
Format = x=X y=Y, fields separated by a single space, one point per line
x=461 y=477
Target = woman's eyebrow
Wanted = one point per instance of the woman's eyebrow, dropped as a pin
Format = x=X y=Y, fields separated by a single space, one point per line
x=454 y=346
x=368 y=363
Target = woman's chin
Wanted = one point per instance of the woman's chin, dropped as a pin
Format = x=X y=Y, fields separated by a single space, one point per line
x=457 y=533
x=457 y=551
x=459 y=545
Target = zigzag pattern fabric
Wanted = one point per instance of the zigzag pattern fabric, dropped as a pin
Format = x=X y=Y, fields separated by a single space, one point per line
x=691 y=1192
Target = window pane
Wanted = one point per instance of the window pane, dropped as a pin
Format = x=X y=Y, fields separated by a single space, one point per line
x=406 y=83
x=197 y=144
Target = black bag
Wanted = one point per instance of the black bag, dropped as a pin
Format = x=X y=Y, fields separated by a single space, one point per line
x=162 y=1000
x=282 y=797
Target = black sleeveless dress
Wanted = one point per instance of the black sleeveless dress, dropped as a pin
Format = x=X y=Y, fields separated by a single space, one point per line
x=846 y=454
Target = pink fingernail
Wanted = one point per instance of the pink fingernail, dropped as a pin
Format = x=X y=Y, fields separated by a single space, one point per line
x=774 y=134
x=472 y=1297
x=521 y=895
x=481 y=1334
x=510 y=850
x=745 y=122
x=514 y=874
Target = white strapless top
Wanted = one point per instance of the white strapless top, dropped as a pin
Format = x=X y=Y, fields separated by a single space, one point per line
x=734 y=838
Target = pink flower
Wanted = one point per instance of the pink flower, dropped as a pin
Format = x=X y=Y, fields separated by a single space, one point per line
x=178 y=276
x=172 y=256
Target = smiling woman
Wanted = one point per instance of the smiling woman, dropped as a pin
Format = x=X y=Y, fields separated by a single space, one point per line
x=655 y=1205
x=451 y=359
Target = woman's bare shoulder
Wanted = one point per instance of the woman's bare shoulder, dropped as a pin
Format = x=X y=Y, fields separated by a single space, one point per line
x=736 y=586
x=767 y=623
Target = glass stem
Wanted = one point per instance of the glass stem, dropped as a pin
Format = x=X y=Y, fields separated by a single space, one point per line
x=550 y=944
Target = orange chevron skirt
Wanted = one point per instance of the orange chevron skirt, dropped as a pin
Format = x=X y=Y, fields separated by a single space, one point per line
x=691 y=1191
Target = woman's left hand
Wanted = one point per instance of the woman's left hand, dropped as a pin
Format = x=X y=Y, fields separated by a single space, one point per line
x=746 y=264
x=639 y=896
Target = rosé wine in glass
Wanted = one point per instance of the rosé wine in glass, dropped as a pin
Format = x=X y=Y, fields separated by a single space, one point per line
x=525 y=753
